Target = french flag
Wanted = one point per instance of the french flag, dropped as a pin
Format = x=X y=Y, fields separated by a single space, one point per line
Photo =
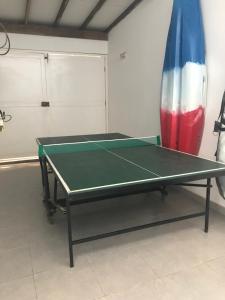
x=184 y=81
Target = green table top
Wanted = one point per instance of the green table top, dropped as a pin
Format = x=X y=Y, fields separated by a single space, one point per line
x=85 y=164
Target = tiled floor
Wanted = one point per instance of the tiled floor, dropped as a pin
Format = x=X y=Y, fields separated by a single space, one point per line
x=175 y=261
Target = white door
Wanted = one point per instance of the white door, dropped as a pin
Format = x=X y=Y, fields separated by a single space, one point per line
x=22 y=88
x=74 y=86
x=76 y=92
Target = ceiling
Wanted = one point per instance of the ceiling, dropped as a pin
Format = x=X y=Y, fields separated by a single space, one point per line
x=81 y=15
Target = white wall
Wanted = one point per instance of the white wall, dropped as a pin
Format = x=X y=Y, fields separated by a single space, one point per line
x=214 y=22
x=57 y=44
x=134 y=83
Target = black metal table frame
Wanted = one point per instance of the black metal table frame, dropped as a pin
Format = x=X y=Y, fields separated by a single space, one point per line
x=70 y=201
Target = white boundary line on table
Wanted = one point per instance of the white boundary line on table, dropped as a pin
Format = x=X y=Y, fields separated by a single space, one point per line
x=143 y=180
x=127 y=160
x=134 y=138
x=129 y=182
x=193 y=155
x=99 y=141
x=63 y=181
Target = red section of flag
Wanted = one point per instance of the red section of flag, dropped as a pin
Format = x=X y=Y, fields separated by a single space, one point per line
x=183 y=131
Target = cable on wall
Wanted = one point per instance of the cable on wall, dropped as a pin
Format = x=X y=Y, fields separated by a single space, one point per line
x=4 y=49
x=5 y=46
x=4 y=118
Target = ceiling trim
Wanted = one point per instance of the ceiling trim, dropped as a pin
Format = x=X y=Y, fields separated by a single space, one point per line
x=93 y=13
x=55 y=29
x=126 y=12
x=61 y=11
x=60 y=31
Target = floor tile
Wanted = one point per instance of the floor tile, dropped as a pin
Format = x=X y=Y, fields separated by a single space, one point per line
x=218 y=266
x=48 y=254
x=14 y=264
x=13 y=237
x=52 y=252
x=170 y=257
x=169 y=262
x=22 y=289
x=69 y=284
x=146 y=291
x=194 y=284
x=118 y=268
x=182 y=249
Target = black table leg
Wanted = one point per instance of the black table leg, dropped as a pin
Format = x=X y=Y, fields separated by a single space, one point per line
x=207 y=204
x=164 y=193
x=55 y=190
x=45 y=178
x=50 y=207
x=69 y=228
x=42 y=172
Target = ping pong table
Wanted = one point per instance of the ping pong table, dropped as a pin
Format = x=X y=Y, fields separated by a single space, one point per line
x=97 y=167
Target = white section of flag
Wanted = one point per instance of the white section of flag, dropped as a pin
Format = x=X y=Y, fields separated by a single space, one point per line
x=184 y=89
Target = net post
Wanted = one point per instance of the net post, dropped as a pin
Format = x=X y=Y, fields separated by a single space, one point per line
x=158 y=140
x=55 y=190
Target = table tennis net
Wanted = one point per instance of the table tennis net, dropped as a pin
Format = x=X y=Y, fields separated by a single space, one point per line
x=100 y=145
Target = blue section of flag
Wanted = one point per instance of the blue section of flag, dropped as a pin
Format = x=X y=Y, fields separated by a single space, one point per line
x=185 y=42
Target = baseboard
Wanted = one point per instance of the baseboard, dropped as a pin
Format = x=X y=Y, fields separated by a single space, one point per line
x=19 y=160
